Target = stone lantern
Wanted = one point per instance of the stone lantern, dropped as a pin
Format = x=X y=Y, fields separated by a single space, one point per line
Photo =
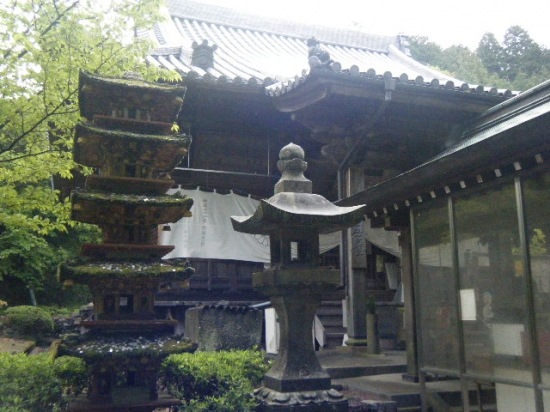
x=293 y=218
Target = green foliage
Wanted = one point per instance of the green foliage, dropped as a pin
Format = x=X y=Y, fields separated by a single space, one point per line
x=537 y=244
x=425 y=51
x=518 y=60
x=44 y=44
x=458 y=61
x=26 y=256
x=28 y=384
x=57 y=311
x=34 y=259
x=214 y=381
x=518 y=63
x=29 y=320
x=72 y=373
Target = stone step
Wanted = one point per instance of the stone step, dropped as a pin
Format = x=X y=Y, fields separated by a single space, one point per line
x=329 y=322
x=329 y=311
x=331 y=316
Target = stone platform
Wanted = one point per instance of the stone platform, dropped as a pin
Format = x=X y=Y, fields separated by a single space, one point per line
x=375 y=382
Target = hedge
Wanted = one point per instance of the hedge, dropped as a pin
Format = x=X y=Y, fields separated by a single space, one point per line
x=214 y=381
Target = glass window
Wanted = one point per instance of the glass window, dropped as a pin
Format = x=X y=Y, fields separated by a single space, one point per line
x=536 y=191
x=436 y=288
x=514 y=398
x=492 y=284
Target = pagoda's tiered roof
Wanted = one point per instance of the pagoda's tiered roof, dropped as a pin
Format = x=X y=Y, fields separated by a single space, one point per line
x=87 y=272
x=163 y=101
x=117 y=208
x=96 y=147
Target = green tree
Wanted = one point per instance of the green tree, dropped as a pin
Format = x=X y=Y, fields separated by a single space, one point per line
x=34 y=259
x=425 y=51
x=518 y=60
x=458 y=61
x=43 y=45
x=518 y=63
x=521 y=53
x=27 y=257
x=466 y=65
x=491 y=54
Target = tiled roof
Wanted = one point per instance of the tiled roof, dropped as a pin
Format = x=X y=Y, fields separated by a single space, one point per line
x=474 y=155
x=273 y=53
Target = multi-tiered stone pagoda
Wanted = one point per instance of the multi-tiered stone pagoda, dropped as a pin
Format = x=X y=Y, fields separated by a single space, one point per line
x=129 y=143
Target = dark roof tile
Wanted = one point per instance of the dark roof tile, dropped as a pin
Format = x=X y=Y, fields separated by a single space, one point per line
x=252 y=47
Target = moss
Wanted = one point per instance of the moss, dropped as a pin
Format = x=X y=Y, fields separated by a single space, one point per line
x=84 y=129
x=86 y=272
x=173 y=200
x=86 y=77
x=100 y=349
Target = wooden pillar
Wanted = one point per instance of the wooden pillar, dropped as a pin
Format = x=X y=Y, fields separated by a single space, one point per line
x=408 y=292
x=356 y=288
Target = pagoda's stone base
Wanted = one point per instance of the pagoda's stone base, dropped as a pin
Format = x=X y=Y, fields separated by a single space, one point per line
x=305 y=401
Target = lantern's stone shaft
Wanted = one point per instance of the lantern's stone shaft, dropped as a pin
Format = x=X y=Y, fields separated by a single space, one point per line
x=293 y=218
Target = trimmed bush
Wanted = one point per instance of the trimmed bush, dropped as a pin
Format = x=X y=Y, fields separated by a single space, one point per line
x=72 y=374
x=28 y=384
x=214 y=381
x=29 y=320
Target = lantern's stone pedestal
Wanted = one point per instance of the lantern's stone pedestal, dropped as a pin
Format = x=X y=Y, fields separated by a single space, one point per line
x=296 y=380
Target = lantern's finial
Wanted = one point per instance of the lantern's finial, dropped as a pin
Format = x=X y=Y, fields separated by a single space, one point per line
x=292 y=167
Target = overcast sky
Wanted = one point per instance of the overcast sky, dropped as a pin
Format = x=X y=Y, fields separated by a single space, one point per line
x=446 y=23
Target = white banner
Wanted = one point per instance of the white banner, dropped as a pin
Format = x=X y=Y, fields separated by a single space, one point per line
x=208 y=234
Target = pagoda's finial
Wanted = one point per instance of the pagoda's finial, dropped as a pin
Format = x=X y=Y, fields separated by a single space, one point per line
x=292 y=167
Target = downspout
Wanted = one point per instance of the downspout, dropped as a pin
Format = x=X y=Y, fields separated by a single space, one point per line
x=389 y=87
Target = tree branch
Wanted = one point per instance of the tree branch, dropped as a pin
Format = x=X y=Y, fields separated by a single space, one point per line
x=54 y=112
x=52 y=24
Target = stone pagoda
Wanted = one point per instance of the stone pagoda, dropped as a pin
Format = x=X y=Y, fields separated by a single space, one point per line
x=293 y=218
x=129 y=144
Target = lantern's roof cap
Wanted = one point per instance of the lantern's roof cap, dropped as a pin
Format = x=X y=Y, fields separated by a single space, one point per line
x=288 y=210
x=294 y=206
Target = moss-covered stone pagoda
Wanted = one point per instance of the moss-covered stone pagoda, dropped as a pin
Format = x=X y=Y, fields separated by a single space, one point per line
x=127 y=140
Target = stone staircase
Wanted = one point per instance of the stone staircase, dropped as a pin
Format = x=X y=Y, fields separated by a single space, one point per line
x=330 y=315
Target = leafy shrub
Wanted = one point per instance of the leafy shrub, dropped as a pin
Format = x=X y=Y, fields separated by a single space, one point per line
x=12 y=409
x=28 y=384
x=3 y=305
x=214 y=381
x=57 y=311
x=29 y=320
x=72 y=374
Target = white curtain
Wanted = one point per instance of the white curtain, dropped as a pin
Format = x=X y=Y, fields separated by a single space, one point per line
x=209 y=234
